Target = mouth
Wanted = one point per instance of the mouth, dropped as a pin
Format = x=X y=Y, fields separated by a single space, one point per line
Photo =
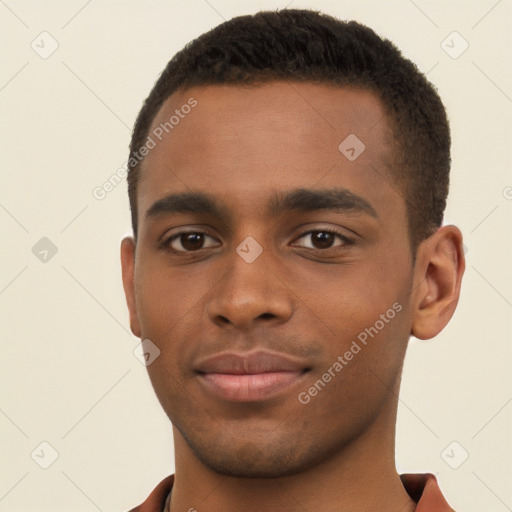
x=253 y=377
x=253 y=387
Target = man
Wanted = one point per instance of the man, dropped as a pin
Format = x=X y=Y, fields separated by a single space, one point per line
x=288 y=177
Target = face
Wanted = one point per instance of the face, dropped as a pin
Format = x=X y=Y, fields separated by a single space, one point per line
x=290 y=245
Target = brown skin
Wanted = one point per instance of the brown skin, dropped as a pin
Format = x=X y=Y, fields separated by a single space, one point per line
x=241 y=144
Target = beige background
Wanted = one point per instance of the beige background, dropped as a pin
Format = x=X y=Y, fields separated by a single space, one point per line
x=68 y=375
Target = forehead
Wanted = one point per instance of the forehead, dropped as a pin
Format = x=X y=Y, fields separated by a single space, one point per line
x=243 y=143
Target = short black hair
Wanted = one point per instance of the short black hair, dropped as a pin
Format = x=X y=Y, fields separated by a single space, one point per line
x=309 y=46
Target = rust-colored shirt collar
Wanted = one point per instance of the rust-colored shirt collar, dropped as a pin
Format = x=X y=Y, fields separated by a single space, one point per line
x=423 y=489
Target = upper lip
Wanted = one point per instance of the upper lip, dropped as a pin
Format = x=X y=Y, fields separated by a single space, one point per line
x=250 y=363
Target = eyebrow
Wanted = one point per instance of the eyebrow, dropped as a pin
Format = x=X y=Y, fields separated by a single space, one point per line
x=304 y=200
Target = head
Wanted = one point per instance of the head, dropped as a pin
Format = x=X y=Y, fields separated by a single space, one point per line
x=306 y=46
x=314 y=146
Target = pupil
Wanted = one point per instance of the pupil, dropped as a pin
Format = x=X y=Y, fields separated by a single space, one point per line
x=192 y=241
x=324 y=240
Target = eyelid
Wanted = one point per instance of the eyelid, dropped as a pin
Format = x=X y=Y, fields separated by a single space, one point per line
x=166 y=241
x=345 y=239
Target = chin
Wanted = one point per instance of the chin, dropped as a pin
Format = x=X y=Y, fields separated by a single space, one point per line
x=251 y=467
x=248 y=458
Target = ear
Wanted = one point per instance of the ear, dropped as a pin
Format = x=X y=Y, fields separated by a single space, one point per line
x=128 y=246
x=438 y=275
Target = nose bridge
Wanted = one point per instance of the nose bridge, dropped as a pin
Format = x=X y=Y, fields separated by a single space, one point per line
x=249 y=290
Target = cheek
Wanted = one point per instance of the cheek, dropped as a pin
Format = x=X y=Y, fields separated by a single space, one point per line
x=166 y=296
x=361 y=369
x=361 y=311
x=352 y=298
x=171 y=310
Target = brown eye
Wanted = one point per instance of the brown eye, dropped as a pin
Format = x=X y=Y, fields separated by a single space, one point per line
x=322 y=239
x=189 y=241
x=192 y=241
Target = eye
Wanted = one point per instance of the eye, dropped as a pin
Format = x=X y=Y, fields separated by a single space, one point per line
x=322 y=239
x=189 y=241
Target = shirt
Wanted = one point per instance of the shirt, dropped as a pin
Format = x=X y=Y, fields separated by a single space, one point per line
x=422 y=488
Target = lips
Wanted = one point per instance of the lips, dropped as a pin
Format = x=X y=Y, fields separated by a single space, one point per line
x=250 y=377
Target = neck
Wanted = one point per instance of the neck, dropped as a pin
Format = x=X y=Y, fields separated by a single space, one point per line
x=360 y=477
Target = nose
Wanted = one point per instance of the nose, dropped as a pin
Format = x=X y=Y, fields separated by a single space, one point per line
x=250 y=294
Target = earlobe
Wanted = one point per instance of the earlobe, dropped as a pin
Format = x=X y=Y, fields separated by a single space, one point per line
x=438 y=275
x=128 y=274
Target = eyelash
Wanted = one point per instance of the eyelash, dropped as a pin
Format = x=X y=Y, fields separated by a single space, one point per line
x=166 y=244
x=344 y=239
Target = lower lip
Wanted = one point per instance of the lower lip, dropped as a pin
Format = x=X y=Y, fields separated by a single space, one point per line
x=249 y=387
